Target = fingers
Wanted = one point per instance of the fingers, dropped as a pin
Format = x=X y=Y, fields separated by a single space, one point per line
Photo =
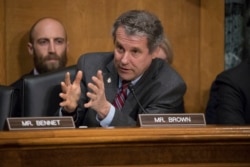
x=93 y=87
x=99 y=75
x=63 y=96
x=98 y=80
x=92 y=98
x=78 y=78
x=88 y=105
x=63 y=87
x=64 y=102
x=67 y=78
x=97 y=89
x=70 y=91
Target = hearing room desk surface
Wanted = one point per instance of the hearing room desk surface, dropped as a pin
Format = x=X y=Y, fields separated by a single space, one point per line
x=215 y=146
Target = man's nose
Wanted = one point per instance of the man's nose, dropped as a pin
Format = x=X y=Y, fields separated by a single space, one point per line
x=125 y=57
x=51 y=47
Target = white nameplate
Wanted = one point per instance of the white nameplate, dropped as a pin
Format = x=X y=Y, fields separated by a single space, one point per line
x=186 y=119
x=38 y=123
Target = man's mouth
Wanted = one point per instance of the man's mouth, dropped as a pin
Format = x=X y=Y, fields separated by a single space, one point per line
x=124 y=69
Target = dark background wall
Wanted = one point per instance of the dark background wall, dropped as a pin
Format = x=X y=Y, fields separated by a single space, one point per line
x=237 y=32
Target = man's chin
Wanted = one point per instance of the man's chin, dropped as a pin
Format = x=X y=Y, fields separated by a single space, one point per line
x=126 y=76
x=52 y=66
x=52 y=61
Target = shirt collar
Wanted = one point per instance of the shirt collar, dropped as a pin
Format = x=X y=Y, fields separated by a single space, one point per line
x=133 y=82
x=35 y=72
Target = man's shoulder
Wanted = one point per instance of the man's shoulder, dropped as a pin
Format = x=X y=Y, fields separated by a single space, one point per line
x=165 y=74
x=235 y=77
x=18 y=83
x=96 y=55
x=168 y=71
x=91 y=62
x=237 y=72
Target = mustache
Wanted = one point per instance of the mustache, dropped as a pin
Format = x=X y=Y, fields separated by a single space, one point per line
x=52 y=57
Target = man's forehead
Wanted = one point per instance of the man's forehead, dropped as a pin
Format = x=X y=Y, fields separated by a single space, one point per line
x=134 y=41
x=48 y=29
x=48 y=34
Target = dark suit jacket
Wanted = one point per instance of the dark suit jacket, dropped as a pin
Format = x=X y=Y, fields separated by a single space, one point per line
x=229 y=101
x=159 y=90
x=18 y=85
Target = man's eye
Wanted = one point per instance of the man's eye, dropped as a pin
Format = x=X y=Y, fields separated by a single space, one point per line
x=135 y=53
x=42 y=42
x=60 y=41
x=120 y=49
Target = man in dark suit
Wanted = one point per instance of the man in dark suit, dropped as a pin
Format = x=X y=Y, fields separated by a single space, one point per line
x=48 y=46
x=155 y=87
x=229 y=101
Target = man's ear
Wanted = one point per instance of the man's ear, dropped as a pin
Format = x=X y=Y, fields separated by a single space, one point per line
x=156 y=52
x=67 y=46
x=30 y=48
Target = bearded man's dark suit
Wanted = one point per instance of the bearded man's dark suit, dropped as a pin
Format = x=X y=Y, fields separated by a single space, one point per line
x=229 y=101
x=159 y=90
x=18 y=85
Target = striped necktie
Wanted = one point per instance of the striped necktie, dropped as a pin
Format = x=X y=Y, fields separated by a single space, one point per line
x=121 y=96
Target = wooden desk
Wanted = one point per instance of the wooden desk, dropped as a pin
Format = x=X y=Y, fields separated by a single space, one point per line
x=172 y=146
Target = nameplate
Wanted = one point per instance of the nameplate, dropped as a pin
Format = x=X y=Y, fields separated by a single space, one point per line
x=157 y=120
x=39 y=123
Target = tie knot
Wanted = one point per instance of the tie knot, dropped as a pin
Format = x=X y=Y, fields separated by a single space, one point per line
x=125 y=84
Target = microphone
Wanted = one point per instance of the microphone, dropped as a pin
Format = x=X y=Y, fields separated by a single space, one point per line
x=131 y=88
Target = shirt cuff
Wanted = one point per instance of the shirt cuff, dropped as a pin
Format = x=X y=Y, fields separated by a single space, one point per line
x=73 y=114
x=60 y=112
x=108 y=119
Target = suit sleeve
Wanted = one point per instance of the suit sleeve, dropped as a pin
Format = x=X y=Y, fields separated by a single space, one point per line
x=229 y=106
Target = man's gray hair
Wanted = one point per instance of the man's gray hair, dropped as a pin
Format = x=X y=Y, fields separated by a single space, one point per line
x=141 y=23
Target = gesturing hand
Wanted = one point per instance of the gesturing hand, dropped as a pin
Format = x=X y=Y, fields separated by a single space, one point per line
x=98 y=101
x=71 y=92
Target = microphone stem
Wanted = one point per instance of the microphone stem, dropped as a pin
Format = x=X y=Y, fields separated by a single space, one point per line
x=138 y=102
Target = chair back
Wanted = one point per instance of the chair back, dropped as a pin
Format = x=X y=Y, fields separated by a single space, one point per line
x=41 y=92
x=7 y=97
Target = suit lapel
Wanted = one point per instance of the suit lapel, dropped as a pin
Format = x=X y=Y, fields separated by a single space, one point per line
x=110 y=81
x=144 y=81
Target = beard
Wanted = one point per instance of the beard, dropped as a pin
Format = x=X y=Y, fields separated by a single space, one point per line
x=43 y=65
